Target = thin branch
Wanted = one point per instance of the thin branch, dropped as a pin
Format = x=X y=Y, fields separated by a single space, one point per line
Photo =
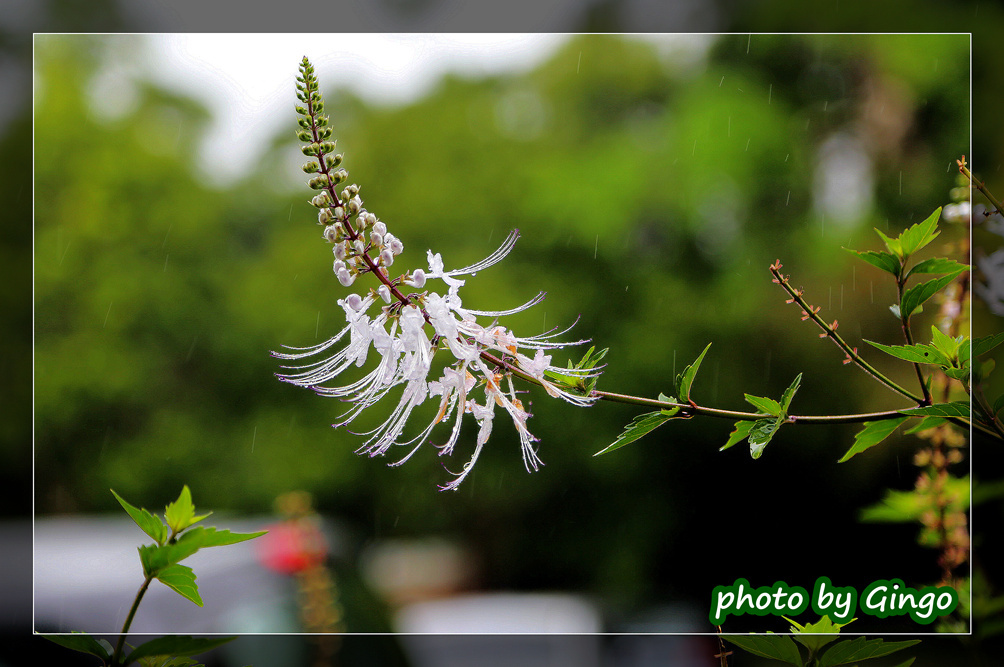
x=829 y=331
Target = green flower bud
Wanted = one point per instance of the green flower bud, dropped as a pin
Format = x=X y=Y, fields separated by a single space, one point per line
x=350 y=191
x=319 y=104
x=304 y=135
x=300 y=110
x=324 y=216
x=311 y=167
x=333 y=161
x=338 y=176
x=303 y=98
x=310 y=149
x=324 y=132
x=321 y=121
x=327 y=146
x=318 y=182
x=303 y=122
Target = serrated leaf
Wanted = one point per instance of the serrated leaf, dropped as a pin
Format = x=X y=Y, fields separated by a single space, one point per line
x=937 y=265
x=960 y=374
x=872 y=434
x=894 y=246
x=984 y=344
x=181 y=579
x=945 y=344
x=952 y=409
x=883 y=260
x=82 y=643
x=914 y=297
x=212 y=537
x=766 y=405
x=762 y=433
x=918 y=353
x=640 y=426
x=860 y=648
x=789 y=394
x=176 y=646
x=742 y=429
x=147 y=521
x=926 y=423
x=181 y=513
x=778 y=647
x=686 y=379
x=919 y=235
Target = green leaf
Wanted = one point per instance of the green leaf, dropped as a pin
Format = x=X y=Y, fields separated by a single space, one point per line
x=883 y=260
x=953 y=409
x=919 y=353
x=742 y=429
x=789 y=394
x=861 y=648
x=686 y=379
x=919 y=235
x=984 y=344
x=181 y=579
x=937 y=265
x=640 y=426
x=872 y=434
x=150 y=523
x=176 y=646
x=945 y=344
x=926 y=423
x=762 y=433
x=815 y=636
x=212 y=537
x=894 y=245
x=778 y=647
x=960 y=374
x=914 y=297
x=181 y=513
x=83 y=643
x=767 y=405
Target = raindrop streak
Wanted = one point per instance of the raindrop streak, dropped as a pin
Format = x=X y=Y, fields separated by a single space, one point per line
x=722 y=81
x=490 y=234
x=826 y=104
x=63 y=256
x=579 y=63
x=317 y=326
x=597 y=246
x=168 y=233
x=770 y=91
x=107 y=314
x=748 y=40
x=786 y=201
x=191 y=349
x=748 y=143
x=254 y=436
x=290 y=216
x=165 y=262
x=786 y=156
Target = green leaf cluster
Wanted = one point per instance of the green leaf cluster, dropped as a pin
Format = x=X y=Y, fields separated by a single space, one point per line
x=170 y=651
x=814 y=637
x=761 y=431
x=161 y=560
x=895 y=260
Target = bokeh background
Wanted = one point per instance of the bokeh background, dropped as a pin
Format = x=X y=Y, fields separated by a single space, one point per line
x=653 y=182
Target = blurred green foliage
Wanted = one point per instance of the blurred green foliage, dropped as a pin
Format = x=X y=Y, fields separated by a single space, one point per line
x=651 y=195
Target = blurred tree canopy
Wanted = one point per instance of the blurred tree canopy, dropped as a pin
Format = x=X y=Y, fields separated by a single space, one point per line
x=652 y=191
